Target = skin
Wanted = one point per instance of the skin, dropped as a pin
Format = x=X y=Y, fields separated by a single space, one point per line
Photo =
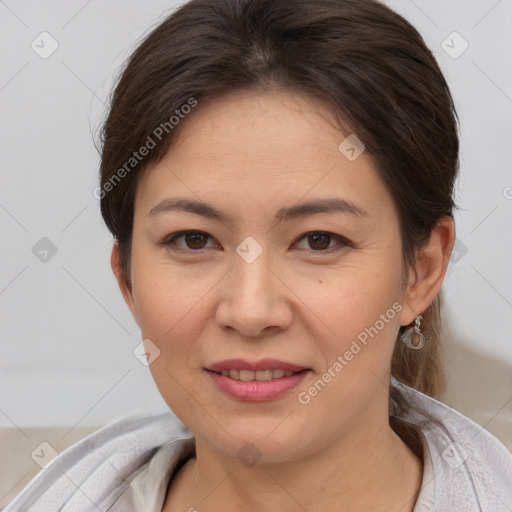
x=250 y=154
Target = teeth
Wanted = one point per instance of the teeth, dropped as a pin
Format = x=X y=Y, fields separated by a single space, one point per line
x=263 y=375
x=260 y=375
x=246 y=375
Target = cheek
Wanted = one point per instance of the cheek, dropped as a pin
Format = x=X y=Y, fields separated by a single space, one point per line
x=361 y=313
x=352 y=295
x=357 y=312
x=167 y=302
x=170 y=313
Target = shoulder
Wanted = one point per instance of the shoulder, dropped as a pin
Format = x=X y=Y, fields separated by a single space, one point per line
x=93 y=473
x=472 y=469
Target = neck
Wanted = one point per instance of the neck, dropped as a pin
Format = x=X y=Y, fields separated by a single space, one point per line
x=366 y=469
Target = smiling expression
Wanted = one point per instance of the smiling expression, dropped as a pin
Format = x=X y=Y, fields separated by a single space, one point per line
x=256 y=240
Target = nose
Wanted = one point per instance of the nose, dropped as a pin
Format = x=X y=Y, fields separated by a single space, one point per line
x=255 y=299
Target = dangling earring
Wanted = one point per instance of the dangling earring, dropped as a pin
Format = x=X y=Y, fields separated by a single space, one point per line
x=412 y=336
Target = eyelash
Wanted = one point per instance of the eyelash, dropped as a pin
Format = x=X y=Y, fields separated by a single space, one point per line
x=169 y=241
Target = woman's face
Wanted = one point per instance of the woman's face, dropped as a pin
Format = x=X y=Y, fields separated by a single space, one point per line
x=262 y=280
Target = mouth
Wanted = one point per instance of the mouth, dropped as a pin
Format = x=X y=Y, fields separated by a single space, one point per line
x=259 y=375
x=265 y=369
x=263 y=380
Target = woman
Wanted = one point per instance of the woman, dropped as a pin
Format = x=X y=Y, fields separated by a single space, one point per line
x=278 y=178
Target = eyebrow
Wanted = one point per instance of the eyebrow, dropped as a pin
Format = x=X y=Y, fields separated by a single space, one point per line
x=327 y=205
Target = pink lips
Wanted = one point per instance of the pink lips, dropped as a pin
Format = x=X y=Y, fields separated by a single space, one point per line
x=255 y=390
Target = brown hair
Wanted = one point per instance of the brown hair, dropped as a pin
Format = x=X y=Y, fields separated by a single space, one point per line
x=365 y=61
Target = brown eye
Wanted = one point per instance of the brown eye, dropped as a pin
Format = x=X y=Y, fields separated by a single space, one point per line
x=195 y=240
x=184 y=241
x=322 y=241
x=319 y=241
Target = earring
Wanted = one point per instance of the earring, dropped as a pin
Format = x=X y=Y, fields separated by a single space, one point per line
x=412 y=336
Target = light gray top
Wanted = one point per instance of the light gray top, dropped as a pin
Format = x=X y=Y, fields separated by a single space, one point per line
x=126 y=466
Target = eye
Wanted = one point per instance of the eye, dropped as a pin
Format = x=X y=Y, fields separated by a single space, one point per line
x=194 y=240
x=320 y=241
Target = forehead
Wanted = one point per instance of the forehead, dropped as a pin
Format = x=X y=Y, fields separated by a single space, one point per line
x=257 y=148
x=269 y=125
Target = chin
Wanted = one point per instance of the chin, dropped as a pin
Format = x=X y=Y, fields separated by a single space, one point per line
x=252 y=443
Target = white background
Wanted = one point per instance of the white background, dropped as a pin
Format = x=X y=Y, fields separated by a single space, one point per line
x=67 y=338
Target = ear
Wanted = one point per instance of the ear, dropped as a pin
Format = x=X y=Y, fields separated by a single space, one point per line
x=124 y=286
x=426 y=278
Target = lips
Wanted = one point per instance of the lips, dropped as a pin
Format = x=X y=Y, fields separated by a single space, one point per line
x=256 y=380
x=256 y=390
